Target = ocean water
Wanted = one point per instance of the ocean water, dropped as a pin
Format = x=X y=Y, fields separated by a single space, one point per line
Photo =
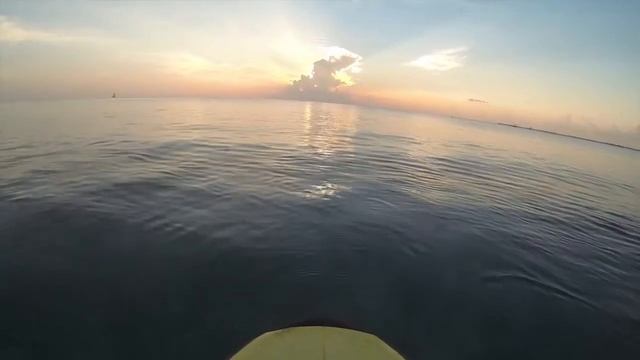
x=183 y=228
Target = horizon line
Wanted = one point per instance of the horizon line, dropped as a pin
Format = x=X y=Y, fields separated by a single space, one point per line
x=372 y=106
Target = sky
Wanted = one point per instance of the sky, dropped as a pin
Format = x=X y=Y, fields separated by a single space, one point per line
x=570 y=66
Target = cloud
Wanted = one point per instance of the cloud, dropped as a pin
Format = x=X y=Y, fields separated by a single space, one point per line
x=328 y=75
x=441 y=60
x=13 y=32
x=477 y=101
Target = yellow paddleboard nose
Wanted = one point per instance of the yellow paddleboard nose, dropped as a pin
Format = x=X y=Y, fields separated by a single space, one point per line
x=317 y=343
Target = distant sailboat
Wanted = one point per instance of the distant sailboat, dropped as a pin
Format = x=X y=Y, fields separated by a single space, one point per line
x=113 y=96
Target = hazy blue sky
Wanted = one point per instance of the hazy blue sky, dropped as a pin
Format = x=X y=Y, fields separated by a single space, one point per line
x=565 y=65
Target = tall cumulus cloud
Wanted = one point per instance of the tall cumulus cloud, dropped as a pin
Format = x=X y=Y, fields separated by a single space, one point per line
x=327 y=77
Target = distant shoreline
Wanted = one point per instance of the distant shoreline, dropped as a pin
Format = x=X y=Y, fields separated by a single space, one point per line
x=551 y=132
x=567 y=135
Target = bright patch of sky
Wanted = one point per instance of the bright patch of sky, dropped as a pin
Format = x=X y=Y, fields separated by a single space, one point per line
x=574 y=59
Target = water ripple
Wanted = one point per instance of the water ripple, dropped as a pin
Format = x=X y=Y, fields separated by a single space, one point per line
x=196 y=224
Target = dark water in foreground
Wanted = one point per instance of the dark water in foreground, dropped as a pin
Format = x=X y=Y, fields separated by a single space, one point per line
x=181 y=229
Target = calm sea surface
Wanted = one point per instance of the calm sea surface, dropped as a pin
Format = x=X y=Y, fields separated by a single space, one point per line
x=183 y=228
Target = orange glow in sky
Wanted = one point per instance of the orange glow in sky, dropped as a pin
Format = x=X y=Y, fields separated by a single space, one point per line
x=550 y=70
